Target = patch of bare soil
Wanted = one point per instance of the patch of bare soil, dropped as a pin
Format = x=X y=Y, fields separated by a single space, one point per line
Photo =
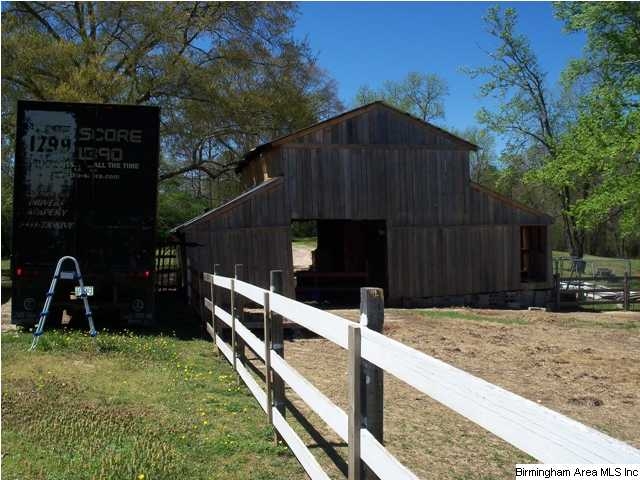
x=584 y=365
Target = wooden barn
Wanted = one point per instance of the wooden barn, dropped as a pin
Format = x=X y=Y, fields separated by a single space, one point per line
x=394 y=207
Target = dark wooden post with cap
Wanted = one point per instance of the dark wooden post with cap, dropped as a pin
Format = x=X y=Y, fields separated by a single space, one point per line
x=202 y=287
x=277 y=345
x=556 y=291
x=267 y=355
x=627 y=292
x=371 y=377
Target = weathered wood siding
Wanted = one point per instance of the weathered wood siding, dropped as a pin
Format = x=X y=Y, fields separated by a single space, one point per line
x=405 y=171
x=453 y=260
x=379 y=125
x=252 y=230
x=446 y=236
x=407 y=186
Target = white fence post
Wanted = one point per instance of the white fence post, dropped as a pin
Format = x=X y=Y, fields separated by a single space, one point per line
x=626 y=293
x=201 y=296
x=355 y=403
x=233 y=330
x=238 y=271
x=216 y=267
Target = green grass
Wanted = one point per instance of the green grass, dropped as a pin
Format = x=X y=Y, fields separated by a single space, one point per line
x=142 y=407
x=455 y=315
x=568 y=322
x=309 y=242
x=610 y=307
x=631 y=325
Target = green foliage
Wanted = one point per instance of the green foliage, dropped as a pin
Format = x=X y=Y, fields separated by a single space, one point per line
x=599 y=154
x=227 y=75
x=421 y=94
x=176 y=205
x=534 y=120
x=613 y=41
x=135 y=52
x=599 y=158
x=304 y=229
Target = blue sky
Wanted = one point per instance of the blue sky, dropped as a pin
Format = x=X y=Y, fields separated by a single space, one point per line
x=369 y=42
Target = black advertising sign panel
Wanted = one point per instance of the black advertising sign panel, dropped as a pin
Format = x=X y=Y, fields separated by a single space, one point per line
x=86 y=180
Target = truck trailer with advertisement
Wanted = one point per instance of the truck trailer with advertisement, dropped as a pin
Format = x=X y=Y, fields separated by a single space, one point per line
x=85 y=186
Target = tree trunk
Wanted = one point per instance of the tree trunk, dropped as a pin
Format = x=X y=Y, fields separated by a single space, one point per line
x=575 y=236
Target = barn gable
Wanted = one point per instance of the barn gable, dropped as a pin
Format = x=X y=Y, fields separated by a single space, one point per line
x=252 y=229
x=394 y=207
x=376 y=124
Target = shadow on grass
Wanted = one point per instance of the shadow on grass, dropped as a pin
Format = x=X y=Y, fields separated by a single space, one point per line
x=173 y=318
x=328 y=447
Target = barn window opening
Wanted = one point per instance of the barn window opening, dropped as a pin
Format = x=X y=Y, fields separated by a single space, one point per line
x=333 y=259
x=533 y=258
x=304 y=236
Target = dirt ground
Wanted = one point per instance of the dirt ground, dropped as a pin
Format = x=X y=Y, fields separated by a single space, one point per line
x=584 y=365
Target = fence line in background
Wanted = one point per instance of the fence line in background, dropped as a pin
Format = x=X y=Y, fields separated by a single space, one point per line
x=546 y=435
x=595 y=290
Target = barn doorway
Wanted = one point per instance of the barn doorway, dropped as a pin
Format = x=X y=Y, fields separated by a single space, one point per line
x=533 y=253
x=343 y=256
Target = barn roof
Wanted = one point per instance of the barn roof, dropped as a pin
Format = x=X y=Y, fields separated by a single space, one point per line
x=253 y=153
x=264 y=186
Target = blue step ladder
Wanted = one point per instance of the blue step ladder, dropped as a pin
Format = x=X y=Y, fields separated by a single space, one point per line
x=60 y=275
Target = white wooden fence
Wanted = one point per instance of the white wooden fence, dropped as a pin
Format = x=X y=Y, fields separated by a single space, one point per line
x=540 y=432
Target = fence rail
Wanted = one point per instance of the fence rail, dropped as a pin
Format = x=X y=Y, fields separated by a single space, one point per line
x=546 y=435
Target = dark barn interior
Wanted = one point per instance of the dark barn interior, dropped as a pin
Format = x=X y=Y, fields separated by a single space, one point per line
x=533 y=249
x=350 y=254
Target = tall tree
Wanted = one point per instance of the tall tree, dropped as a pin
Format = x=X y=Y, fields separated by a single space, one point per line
x=230 y=70
x=421 y=94
x=228 y=75
x=527 y=112
x=600 y=151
